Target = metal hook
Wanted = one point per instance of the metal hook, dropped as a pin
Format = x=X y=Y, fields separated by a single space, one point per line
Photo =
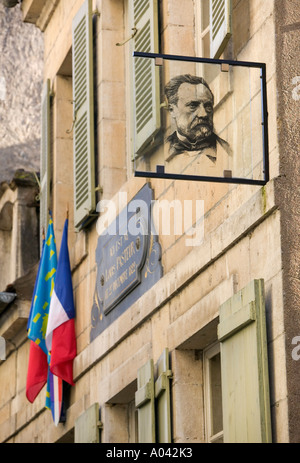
x=72 y=127
x=135 y=31
x=74 y=119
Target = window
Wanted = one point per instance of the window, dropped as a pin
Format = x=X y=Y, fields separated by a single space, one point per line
x=245 y=378
x=88 y=425
x=213 y=23
x=203 y=28
x=203 y=39
x=153 y=402
x=119 y=415
x=83 y=96
x=213 y=394
x=77 y=70
x=220 y=23
x=224 y=384
x=132 y=423
x=143 y=25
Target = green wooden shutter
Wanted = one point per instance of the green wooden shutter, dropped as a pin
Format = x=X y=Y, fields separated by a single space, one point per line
x=45 y=174
x=163 y=398
x=83 y=95
x=244 y=367
x=144 y=17
x=87 y=426
x=220 y=24
x=144 y=402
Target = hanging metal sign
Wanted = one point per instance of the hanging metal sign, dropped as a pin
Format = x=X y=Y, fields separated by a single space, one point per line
x=200 y=119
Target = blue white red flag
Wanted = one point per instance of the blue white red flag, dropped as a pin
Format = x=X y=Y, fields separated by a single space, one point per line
x=38 y=366
x=60 y=335
x=43 y=290
x=38 y=357
x=35 y=287
x=55 y=397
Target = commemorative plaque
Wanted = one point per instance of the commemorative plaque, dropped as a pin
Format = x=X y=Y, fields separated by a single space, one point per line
x=128 y=260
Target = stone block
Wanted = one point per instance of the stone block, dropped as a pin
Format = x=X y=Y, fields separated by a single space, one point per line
x=112 y=154
x=78 y=252
x=8 y=380
x=112 y=15
x=279 y=413
x=179 y=40
x=112 y=56
x=111 y=98
x=202 y=313
x=274 y=307
x=187 y=390
x=120 y=378
x=115 y=418
x=159 y=329
x=263 y=261
x=172 y=12
x=111 y=180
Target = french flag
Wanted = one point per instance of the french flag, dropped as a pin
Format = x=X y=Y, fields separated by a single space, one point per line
x=60 y=335
x=55 y=397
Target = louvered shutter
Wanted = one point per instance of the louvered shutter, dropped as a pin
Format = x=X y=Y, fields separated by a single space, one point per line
x=163 y=398
x=144 y=15
x=87 y=426
x=220 y=26
x=144 y=402
x=83 y=95
x=244 y=367
x=45 y=174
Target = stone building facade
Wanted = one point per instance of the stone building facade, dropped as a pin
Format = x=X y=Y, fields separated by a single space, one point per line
x=201 y=345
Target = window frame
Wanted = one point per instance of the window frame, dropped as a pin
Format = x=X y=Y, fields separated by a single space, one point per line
x=142 y=143
x=208 y=354
x=84 y=141
x=201 y=32
x=133 y=437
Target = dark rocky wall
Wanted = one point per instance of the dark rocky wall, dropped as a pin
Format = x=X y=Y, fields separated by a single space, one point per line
x=21 y=73
x=287 y=16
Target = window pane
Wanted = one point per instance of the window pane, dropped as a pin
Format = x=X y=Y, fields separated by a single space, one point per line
x=216 y=394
